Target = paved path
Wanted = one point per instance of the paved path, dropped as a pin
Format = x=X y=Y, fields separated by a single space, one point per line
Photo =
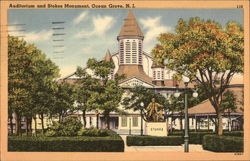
x=192 y=148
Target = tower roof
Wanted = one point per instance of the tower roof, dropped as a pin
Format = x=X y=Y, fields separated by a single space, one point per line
x=108 y=56
x=130 y=26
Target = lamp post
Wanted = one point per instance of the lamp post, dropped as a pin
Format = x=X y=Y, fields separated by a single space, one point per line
x=142 y=105
x=177 y=94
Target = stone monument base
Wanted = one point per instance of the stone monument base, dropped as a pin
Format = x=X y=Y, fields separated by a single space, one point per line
x=157 y=128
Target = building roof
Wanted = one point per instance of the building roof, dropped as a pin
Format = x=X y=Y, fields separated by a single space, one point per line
x=206 y=107
x=134 y=71
x=130 y=26
x=108 y=56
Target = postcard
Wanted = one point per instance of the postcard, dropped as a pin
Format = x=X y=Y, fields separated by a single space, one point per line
x=124 y=80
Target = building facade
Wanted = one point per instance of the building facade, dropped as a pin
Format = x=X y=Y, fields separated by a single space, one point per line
x=141 y=69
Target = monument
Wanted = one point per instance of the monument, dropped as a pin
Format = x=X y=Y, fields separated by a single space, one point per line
x=155 y=123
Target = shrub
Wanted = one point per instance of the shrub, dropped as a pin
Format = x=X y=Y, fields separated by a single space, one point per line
x=233 y=133
x=154 y=140
x=194 y=137
x=223 y=143
x=92 y=132
x=111 y=143
x=69 y=127
x=197 y=137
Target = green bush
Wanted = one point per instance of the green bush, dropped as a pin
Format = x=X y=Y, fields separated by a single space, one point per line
x=223 y=143
x=194 y=137
x=233 y=133
x=92 y=132
x=111 y=143
x=153 y=140
x=197 y=137
x=69 y=127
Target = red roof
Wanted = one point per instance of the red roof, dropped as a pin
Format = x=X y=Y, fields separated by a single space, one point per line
x=206 y=107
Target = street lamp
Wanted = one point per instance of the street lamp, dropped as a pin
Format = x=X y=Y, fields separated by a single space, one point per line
x=142 y=105
x=177 y=94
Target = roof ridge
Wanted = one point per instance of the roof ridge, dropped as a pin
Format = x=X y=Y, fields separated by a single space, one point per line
x=130 y=26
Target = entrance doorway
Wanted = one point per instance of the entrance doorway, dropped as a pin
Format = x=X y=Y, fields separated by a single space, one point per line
x=113 y=124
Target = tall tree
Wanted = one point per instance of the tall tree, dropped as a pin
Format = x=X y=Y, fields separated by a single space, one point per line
x=65 y=96
x=28 y=69
x=205 y=52
x=107 y=94
x=86 y=85
x=228 y=104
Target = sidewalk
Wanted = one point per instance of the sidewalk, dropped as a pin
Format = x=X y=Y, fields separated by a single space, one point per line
x=192 y=148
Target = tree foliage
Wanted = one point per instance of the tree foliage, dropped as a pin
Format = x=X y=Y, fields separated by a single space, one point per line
x=228 y=103
x=65 y=95
x=101 y=92
x=30 y=75
x=205 y=52
x=141 y=94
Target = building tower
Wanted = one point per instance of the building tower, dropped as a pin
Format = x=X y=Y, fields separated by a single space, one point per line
x=130 y=41
x=158 y=74
x=108 y=58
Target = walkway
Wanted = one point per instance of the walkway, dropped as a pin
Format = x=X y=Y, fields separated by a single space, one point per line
x=192 y=148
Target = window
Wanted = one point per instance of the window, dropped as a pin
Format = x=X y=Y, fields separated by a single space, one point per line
x=121 y=52
x=135 y=121
x=140 y=52
x=134 y=53
x=128 y=54
x=158 y=74
x=124 y=121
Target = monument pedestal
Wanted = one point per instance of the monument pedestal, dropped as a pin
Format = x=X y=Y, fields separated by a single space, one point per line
x=157 y=128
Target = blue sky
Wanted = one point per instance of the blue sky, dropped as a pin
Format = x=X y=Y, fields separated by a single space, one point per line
x=90 y=33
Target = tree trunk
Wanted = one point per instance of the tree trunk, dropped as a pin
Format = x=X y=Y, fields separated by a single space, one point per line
x=181 y=123
x=27 y=126
x=220 y=128
x=84 y=119
x=171 y=124
x=11 y=125
x=97 y=121
x=107 y=121
x=35 y=126
x=42 y=123
x=229 y=122
x=18 y=125
x=30 y=125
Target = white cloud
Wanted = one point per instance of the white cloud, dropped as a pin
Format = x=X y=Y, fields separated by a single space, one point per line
x=80 y=17
x=87 y=50
x=33 y=36
x=153 y=28
x=38 y=36
x=101 y=24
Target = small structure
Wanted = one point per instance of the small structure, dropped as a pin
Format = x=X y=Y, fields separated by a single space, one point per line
x=155 y=125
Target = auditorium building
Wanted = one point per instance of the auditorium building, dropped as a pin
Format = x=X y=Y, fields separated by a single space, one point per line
x=141 y=70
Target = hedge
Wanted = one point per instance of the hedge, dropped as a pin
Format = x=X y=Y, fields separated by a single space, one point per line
x=154 y=140
x=194 y=137
x=234 y=133
x=223 y=143
x=197 y=137
x=111 y=143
